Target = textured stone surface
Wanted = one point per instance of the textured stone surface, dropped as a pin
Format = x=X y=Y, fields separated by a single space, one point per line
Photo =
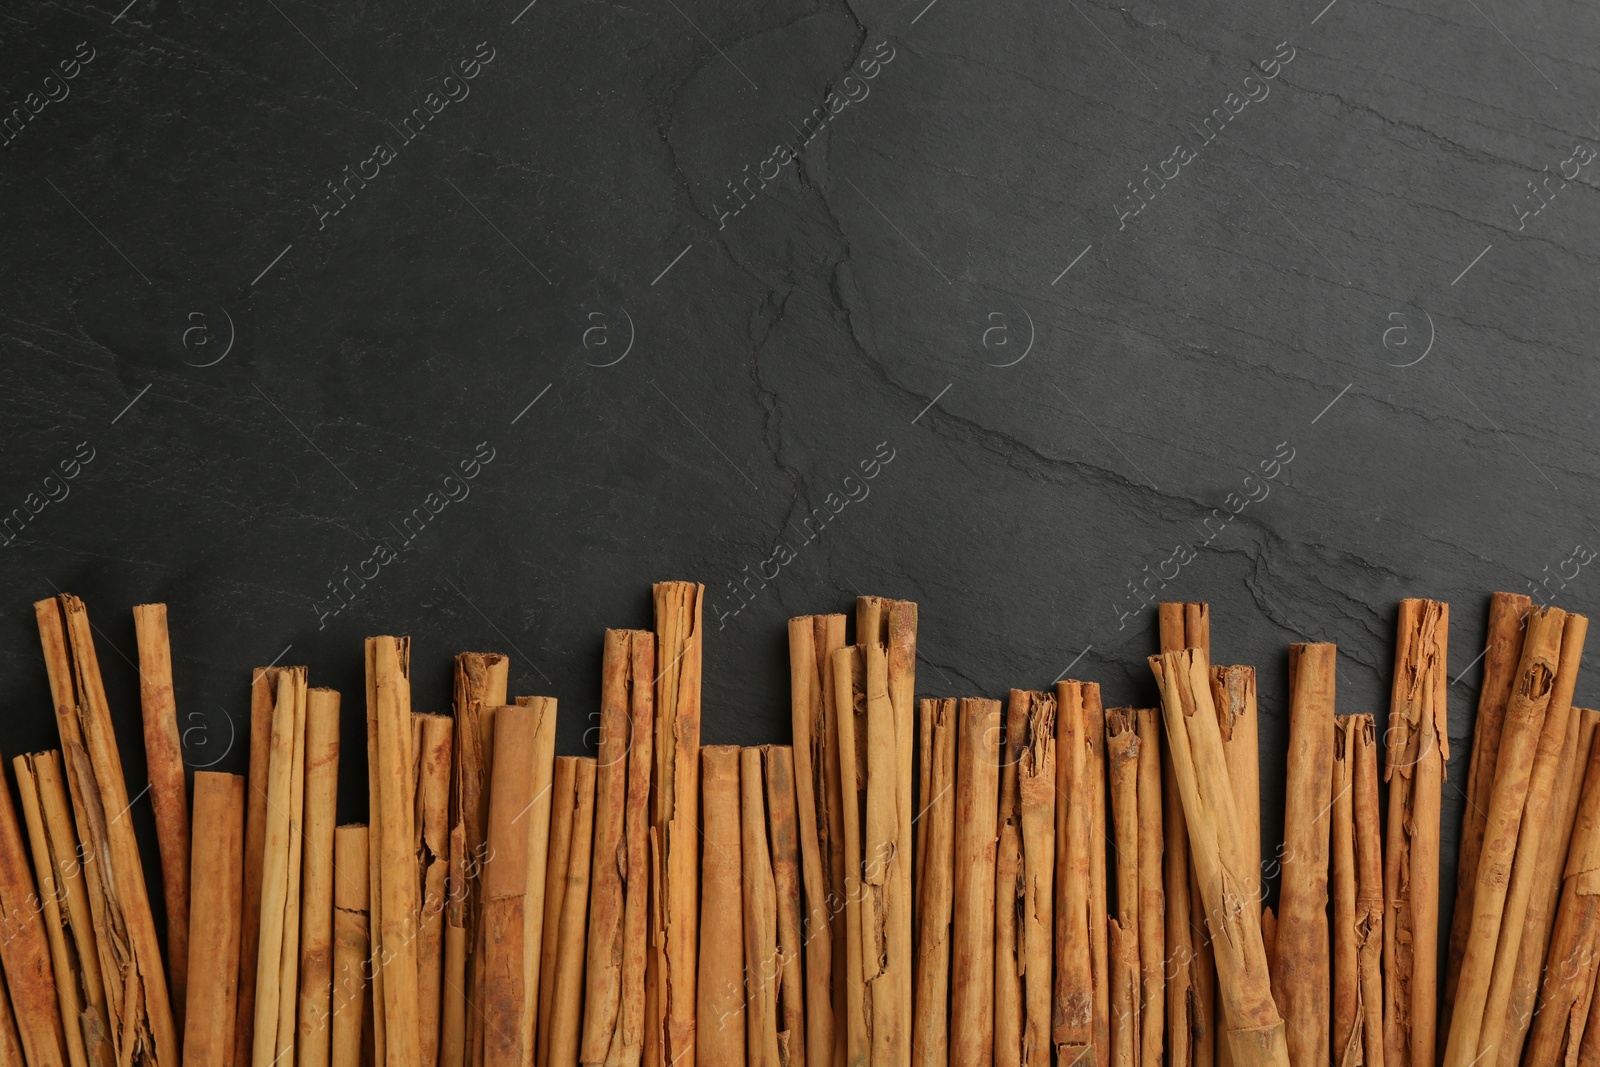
x=951 y=272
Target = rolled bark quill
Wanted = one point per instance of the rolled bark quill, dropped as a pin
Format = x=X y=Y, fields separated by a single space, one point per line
x=316 y=906
x=778 y=765
x=1123 y=745
x=1094 y=721
x=1520 y=741
x=1417 y=745
x=762 y=964
x=1255 y=1029
x=1025 y=874
x=720 y=1041
x=68 y=918
x=1357 y=1039
x=813 y=639
x=1528 y=870
x=351 y=948
x=563 y=805
x=675 y=833
x=1072 y=1001
x=136 y=990
x=10 y=1043
x=263 y=687
x=570 y=930
x=1008 y=963
x=217 y=867
x=278 y=961
x=1187 y=999
x=614 y=1019
x=1301 y=969
x=930 y=1028
x=480 y=685
x=1501 y=655
x=1233 y=690
x=972 y=928
x=856 y=1019
x=1152 y=905
x=25 y=949
x=169 y=796
x=431 y=741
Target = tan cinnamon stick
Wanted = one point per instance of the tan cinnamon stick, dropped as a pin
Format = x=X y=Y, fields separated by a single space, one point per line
x=1301 y=974
x=263 y=687
x=217 y=868
x=1152 y=905
x=783 y=822
x=930 y=1031
x=563 y=805
x=351 y=946
x=391 y=860
x=25 y=949
x=720 y=1037
x=1357 y=1039
x=1417 y=745
x=1520 y=742
x=317 y=893
x=1533 y=863
x=1255 y=1030
x=277 y=965
x=1233 y=690
x=541 y=817
x=480 y=685
x=813 y=640
x=10 y=1043
x=168 y=793
x=1009 y=890
x=68 y=918
x=762 y=963
x=1073 y=999
x=1123 y=745
x=1025 y=866
x=856 y=1018
x=1094 y=721
x=431 y=737
x=561 y=1043
x=972 y=927
x=1501 y=655
x=139 y=1010
x=674 y=927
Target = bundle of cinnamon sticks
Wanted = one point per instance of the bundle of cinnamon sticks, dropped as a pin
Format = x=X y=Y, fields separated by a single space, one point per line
x=943 y=882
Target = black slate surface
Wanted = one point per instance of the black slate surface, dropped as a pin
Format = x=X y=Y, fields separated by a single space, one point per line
x=1028 y=312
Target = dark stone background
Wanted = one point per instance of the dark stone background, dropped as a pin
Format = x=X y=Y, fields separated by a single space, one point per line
x=268 y=392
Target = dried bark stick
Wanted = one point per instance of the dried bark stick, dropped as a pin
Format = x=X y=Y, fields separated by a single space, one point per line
x=720 y=1035
x=1072 y=1014
x=855 y=1018
x=561 y=1043
x=1152 y=906
x=1009 y=890
x=25 y=949
x=351 y=946
x=1123 y=745
x=1357 y=1039
x=782 y=822
x=972 y=928
x=762 y=963
x=1036 y=771
x=1094 y=720
x=1233 y=690
x=169 y=796
x=1255 y=1030
x=136 y=990
x=432 y=737
x=217 y=868
x=316 y=910
x=930 y=1029
x=263 y=687
x=563 y=805
x=277 y=964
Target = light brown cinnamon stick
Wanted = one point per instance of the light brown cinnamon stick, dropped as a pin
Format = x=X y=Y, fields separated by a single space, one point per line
x=317 y=893
x=1233 y=690
x=561 y=1043
x=25 y=949
x=1123 y=745
x=1025 y=866
x=930 y=1031
x=762 y=963
x=674 y=927
x=813 y=639
x=563 y=805
x=217 y=868
x=1009 y=890
x=720 y=1040
x=169 y=796
x=1094 y=721
x=432 y=737
x=263 y=687
x=856 y=1019
x=1073 y=1000
x=1501 y=655
x=1255 y=1030
x=10 y=1043
x=782 y=822
x=277 y=965
x=351 y=946
x=68 y=918
x=1520 y=740
x=614 y=1020
x=136 y=990
x=1301 y=974
x=1357 y=1039
x=392 y=862
x=1152 y=906
x=972 y=928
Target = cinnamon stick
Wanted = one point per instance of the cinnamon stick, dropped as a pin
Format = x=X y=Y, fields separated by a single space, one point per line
x=1357 y=1039
x=614 y=1010
x=539 y=929
x=1301 y=972
x=561 y=1043
x=762 y=963
x=563 y=805
x=1520 y=740
x=720 y=1037
x=391 y=859
x=855 y=1019
x=813 y=640
x=139 y=1010
x=674 y=924
x=1073 y=1001
x=1502 y=653
x=10 y=1043
x=972 y=927
x=351 y=947
x=1009 y=890
x=25 y=949
x=1025 y=866
x=480 y=685
x=1255 y=1031
x=168 y=793
x=930 y=1029
x=1233 y=690
x=1152 y=914
x=432 y=737
x=782 y=822
x=68 y=918
x=1123 y=748
x=217 y=868
x=277 y=964
x=263 y=687
x=1094 y=721
x=317 y=893
x=1189 y=965
x=1417 y=745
